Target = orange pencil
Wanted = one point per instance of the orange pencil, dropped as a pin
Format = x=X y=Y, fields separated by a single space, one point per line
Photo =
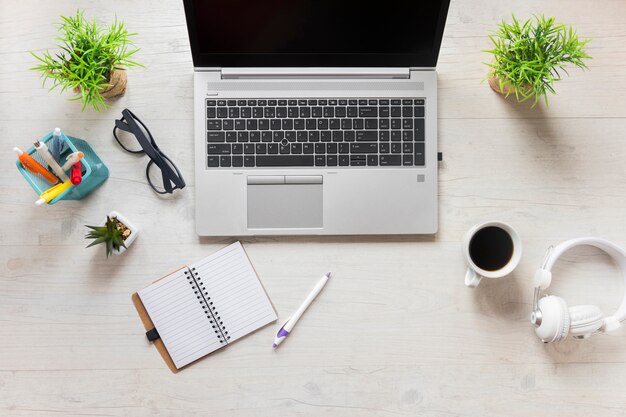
x=33 y=166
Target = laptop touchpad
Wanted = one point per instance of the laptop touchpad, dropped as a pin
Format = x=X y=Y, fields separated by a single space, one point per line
x=279 y=202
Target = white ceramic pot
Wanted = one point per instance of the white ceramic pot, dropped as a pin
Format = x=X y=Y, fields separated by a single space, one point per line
x=133 y=231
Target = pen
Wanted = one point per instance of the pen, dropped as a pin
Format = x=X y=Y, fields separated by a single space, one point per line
x=72 y=159
x=35 y=167
x=56 y=143
x=291 y=322
x=53 y=192
x=42 y=150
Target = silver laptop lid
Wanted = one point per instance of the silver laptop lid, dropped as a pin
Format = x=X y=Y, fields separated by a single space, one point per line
x=315 y=33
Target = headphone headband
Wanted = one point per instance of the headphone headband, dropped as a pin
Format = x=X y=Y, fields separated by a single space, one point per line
x=543 y=276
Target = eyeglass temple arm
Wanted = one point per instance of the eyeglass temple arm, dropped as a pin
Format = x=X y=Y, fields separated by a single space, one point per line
x=122 y=126
x=132 y=127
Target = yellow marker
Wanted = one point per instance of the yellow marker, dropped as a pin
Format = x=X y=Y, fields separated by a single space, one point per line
x=53 y=192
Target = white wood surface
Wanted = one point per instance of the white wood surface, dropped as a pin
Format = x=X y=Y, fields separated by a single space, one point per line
x=395 y=332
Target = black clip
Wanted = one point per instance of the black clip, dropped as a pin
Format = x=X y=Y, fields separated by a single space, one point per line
x=152 y=335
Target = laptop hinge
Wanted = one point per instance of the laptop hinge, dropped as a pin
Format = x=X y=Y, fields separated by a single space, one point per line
x=307 y=73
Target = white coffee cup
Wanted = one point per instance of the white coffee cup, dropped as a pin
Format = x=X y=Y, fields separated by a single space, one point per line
x=500 y=266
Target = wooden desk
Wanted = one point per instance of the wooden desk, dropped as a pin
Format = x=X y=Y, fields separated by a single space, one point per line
x=395 y=332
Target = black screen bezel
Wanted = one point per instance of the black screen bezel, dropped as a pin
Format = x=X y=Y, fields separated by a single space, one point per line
x=221 y=60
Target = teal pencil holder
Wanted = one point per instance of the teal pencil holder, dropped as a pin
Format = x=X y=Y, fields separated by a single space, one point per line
x=93 y=169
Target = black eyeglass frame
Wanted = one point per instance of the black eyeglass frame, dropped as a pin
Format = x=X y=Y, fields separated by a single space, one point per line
x=129 y=123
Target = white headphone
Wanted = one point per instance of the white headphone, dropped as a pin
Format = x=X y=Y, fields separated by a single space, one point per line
x=552 y=319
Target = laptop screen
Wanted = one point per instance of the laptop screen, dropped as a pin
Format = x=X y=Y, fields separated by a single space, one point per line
x=315 y=33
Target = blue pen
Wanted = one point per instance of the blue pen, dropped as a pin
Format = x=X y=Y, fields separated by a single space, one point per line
x=56 y=144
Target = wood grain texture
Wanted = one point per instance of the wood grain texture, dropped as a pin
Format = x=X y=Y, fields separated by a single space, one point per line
x=395 y=332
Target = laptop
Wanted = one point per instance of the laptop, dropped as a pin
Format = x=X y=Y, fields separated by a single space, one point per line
x=315 y=117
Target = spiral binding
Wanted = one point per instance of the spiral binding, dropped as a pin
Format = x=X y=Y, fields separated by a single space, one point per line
x=207 y=305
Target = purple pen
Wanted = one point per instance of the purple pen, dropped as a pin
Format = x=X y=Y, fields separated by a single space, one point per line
x=286 y=329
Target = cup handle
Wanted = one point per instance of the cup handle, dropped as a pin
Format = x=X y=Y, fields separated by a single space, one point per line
x=472 y=278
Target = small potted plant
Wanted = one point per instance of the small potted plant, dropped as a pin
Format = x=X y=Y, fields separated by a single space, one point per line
x=117 y=234
x=92 y=62
x=528 y=57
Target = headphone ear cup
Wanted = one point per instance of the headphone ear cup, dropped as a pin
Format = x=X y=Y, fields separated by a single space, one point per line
x=585 y=319
x=555 y=319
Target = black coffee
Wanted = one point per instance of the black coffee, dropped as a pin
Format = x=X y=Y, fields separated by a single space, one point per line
x=491 y=248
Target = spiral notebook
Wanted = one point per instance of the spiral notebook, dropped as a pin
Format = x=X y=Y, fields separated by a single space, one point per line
x=205 y=306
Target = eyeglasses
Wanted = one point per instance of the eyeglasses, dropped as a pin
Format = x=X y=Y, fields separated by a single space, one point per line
x=171 y=178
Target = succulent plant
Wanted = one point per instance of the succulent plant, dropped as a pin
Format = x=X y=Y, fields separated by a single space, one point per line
x=109 y=234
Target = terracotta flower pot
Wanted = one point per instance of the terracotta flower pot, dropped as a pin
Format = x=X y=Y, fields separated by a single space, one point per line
x=118 y=79
x=507 y=88
x=494 y=83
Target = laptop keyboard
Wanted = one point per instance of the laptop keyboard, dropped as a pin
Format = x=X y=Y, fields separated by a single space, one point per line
x=315 y=133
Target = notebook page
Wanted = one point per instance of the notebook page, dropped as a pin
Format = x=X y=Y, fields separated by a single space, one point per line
x=235 y=290
x=179 y=318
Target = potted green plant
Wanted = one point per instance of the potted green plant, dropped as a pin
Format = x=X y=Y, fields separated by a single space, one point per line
x=92 y=62
x=117 y=234
x=529 y=57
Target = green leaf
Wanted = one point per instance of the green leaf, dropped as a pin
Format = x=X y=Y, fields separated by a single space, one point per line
x=97 y=241
x=109 y=244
